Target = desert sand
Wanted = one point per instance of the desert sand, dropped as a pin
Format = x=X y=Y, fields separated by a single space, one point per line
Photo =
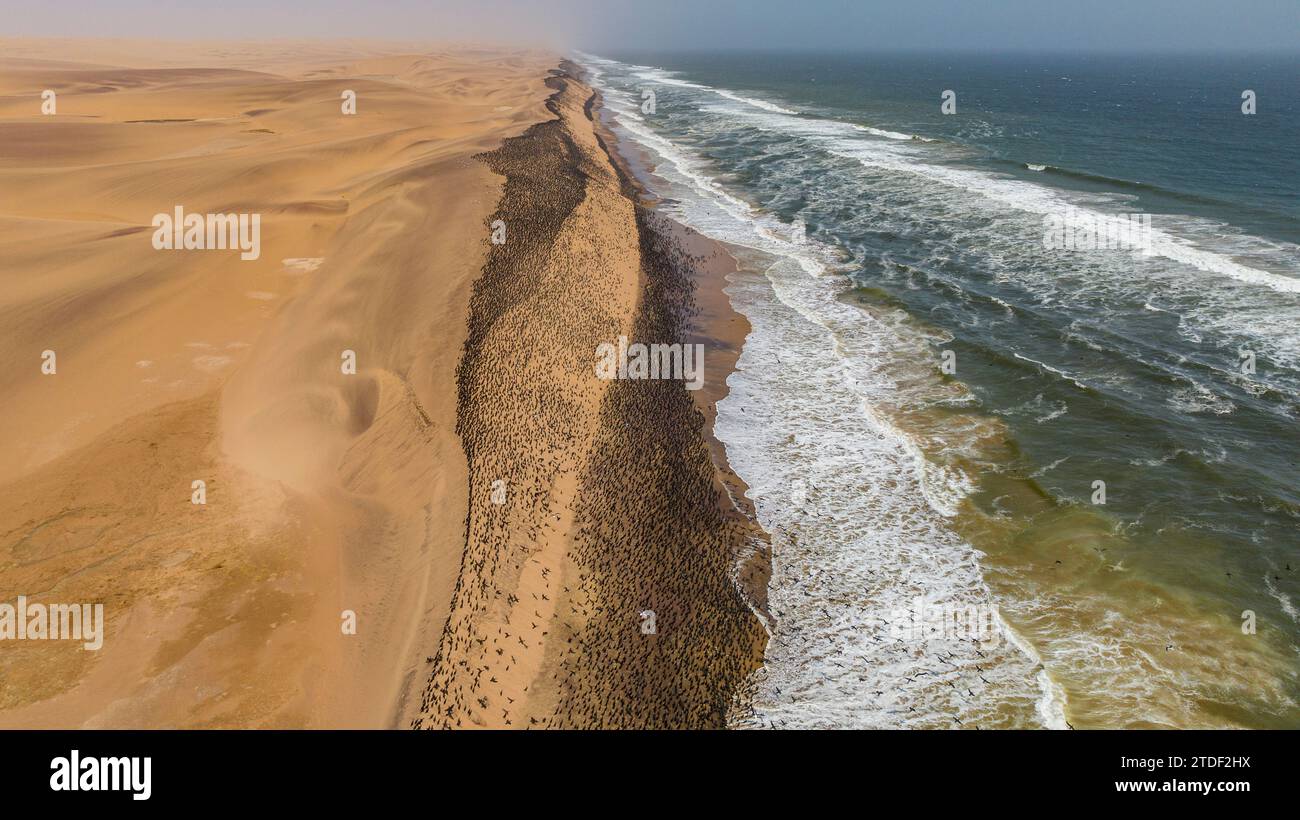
x=325 y=492
x=495 y=517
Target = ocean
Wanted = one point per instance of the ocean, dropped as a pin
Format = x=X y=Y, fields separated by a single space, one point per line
x=1008 y=483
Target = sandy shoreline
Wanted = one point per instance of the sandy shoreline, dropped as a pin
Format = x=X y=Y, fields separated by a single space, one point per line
x=722 y=330
x=622 y=516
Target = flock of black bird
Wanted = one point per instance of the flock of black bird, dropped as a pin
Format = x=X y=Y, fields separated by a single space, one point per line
x=629 y=496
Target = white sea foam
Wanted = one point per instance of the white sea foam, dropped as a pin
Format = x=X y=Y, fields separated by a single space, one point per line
x=1036 y=199
x=1054 y=370
x=763 y=104
x=887 y=134
x=857 y=518
x=1200 y=399
x=1282 y=599
x=656 y=75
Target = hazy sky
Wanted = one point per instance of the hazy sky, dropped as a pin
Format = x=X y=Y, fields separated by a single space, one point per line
x=1195 y=25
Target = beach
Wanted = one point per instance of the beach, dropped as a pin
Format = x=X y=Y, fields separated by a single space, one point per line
x=361 y=475
x=597 y=591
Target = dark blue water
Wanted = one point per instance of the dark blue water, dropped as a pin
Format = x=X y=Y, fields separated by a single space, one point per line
x=1166 y=125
